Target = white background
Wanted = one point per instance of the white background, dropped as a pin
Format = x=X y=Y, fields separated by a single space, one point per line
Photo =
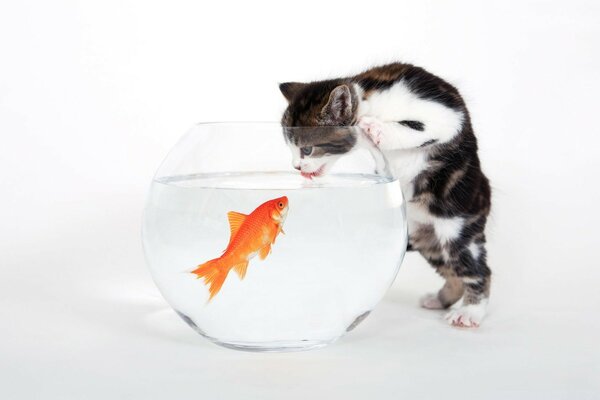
x=94 y=94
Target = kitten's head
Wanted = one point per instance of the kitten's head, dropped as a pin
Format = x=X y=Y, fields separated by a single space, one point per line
x=316 y=123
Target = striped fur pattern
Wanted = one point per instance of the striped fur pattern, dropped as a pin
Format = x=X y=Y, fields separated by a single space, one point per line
x=422 y=125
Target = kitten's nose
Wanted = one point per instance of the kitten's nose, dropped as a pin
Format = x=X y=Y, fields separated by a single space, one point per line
x=297 y=167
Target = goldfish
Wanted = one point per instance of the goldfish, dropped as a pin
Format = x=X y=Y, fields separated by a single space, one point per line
x=251 y=234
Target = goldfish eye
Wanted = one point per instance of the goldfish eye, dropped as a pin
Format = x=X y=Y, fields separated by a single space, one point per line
x=280 y=204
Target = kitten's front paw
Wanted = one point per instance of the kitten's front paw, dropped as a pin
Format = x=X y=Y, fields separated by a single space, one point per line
x=372 y=127
x=469 y=316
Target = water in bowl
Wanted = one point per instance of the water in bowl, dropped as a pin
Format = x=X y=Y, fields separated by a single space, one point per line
x=345 y=236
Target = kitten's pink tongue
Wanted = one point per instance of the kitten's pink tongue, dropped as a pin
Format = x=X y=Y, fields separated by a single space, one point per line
x=310 y=175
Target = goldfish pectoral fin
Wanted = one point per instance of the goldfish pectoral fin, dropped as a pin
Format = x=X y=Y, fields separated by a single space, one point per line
x=235 y=221
x=241 y=269
x=264 y=252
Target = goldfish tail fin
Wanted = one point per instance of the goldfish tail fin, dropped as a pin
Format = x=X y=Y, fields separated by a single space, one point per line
x=214 y=274
x=240 y=269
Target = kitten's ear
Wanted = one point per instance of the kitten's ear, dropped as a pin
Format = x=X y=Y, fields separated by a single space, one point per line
x=289 y=89
x=338 y=109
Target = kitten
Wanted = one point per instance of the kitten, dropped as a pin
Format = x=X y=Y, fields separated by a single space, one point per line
x=422 y=125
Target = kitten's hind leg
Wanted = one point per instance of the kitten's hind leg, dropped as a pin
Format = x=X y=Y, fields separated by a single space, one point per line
x=449 y=294
x=474 y=305
x=476 y=282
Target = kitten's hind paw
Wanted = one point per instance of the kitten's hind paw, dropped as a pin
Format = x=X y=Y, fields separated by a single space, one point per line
x=372 y=127
x=431 y=302
x=469 y=316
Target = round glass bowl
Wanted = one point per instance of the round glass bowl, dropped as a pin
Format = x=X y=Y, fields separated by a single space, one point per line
x=267 y=238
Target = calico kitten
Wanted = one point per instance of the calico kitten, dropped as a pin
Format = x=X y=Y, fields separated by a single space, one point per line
x=422 y=125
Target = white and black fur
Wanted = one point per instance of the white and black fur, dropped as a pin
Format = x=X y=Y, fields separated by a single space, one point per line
x=422 y=125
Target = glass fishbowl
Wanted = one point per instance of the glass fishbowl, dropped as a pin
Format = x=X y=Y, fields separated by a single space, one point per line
x=271 y=238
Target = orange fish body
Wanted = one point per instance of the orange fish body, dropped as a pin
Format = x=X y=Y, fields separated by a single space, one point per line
x=250 y=235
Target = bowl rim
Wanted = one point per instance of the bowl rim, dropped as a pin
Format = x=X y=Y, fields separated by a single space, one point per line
x=269 y=123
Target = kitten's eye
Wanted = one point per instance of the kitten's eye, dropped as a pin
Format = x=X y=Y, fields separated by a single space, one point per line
x=306 y=150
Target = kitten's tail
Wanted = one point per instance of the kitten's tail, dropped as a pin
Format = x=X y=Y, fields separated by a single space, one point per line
x=214 y=274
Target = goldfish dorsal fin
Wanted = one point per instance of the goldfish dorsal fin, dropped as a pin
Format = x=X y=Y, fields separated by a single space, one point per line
x=235 y=221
